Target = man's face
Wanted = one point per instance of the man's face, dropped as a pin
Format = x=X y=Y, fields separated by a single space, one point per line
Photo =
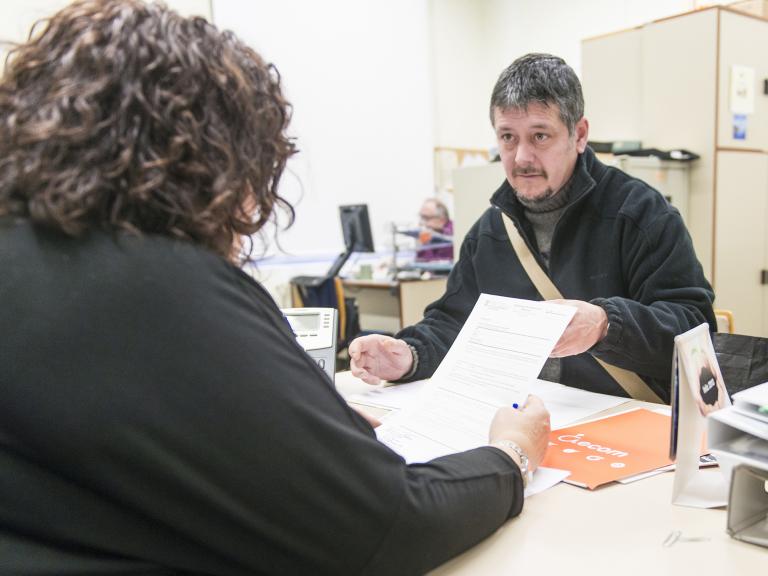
x=538 y=153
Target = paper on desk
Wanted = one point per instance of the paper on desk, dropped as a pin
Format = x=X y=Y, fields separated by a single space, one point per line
x=753 y=402
x=565 y=404
x=492 y=363
x=543 y=479
x=705 y=461
x=391 y=397
x=610 y=448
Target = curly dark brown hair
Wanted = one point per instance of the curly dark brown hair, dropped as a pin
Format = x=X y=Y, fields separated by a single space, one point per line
x=121 y=115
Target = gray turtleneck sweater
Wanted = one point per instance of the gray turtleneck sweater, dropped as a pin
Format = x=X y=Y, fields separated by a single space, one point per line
x=543 y=216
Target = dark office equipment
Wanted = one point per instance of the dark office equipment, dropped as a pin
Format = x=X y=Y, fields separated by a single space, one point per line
x=679 y=154
x=601 y=147
x=356 y=228
x=326 y=290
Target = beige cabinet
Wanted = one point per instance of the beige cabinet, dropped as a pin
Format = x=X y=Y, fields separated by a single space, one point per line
x=741 y=247
x=697 y=81
x=473 y=187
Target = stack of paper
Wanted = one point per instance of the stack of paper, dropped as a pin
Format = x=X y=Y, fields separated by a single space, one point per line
x=739 y=434
x=565 y=404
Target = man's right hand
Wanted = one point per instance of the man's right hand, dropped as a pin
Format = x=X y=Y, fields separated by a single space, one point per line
x=375 y=358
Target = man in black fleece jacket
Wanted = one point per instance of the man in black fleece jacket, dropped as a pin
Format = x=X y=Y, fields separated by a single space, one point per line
x=613 y=246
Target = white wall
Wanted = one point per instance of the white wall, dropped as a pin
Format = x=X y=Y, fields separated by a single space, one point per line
x=17 y=16
x=358 y=76
x=461 y=75
x=376 y=84
x=474 y=40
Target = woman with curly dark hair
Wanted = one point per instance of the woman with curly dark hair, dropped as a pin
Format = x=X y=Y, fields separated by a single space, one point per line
x=156 y=413
x=117 y=117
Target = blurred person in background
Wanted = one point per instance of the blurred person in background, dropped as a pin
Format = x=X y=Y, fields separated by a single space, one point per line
x=435 y=233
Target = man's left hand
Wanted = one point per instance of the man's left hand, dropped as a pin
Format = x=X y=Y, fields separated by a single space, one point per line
x=587 y=327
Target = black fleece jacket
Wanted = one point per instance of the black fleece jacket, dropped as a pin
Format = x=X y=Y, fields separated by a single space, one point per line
x=619 y=244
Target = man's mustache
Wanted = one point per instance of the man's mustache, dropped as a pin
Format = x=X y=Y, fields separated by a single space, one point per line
x=529 y=172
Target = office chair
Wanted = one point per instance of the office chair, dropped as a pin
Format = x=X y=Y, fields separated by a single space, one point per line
x=724 y=321
x=743 y=360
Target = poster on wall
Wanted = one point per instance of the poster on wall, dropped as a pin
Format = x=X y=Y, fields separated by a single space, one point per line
x=739 y=126
x=742 y=90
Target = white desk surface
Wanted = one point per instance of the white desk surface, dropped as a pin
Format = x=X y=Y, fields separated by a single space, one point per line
x=617 y=529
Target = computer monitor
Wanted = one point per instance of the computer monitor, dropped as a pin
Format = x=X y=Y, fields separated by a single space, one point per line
x=356 y=228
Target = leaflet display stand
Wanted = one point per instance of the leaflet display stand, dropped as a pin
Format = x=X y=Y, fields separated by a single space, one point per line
x=697 y=390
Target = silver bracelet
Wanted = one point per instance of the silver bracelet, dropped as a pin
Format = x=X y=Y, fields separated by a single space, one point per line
x=524 y=470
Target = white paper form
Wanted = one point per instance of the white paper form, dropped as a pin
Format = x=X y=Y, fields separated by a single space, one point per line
x=565 y=404
x=544 y=479
x=390 y=396
x=498 y=353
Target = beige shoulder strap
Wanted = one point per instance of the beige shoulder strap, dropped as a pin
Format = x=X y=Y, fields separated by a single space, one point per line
x=628 y=380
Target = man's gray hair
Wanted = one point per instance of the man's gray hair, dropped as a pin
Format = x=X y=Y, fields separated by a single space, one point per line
x=440 y=207
x=541 y=78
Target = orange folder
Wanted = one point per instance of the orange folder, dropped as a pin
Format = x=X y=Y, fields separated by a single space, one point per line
x=611 y=448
